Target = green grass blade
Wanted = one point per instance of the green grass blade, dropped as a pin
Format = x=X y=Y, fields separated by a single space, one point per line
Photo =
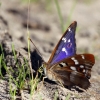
x=59 y=14
x=71 y=12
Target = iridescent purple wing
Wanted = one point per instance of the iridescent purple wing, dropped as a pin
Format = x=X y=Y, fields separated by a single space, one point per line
x=66 y=46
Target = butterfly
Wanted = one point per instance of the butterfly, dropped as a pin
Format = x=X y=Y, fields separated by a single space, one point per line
x=67 y=67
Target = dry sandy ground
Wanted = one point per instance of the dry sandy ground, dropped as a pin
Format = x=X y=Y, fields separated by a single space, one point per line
x=45 y=31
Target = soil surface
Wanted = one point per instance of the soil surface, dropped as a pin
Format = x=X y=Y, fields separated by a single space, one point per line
x=45 y=32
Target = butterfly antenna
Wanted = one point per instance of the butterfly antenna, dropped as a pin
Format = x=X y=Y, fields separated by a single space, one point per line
x=36 y=49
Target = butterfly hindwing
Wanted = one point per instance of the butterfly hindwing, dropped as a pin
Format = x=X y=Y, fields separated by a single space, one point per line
x=66 y=47
x=70 y=78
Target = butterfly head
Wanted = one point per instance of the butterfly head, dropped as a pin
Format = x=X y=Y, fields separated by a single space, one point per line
x=44 y=65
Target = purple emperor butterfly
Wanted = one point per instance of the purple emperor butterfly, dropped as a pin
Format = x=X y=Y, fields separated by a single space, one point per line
x=67 y=67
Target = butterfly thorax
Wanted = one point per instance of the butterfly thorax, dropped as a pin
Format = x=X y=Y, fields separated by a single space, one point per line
x=49 y=71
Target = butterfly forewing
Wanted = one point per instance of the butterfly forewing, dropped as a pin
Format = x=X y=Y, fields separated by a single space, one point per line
x=66 y=47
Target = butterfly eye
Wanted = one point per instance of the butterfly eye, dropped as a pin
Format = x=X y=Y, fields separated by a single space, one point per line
x=69 y=45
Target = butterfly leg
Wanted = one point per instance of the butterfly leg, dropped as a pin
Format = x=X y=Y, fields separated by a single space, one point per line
x=43 y=79
x=42 y=83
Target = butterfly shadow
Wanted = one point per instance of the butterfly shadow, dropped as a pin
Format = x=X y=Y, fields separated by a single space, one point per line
x=36 y=60
x=75 y=88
